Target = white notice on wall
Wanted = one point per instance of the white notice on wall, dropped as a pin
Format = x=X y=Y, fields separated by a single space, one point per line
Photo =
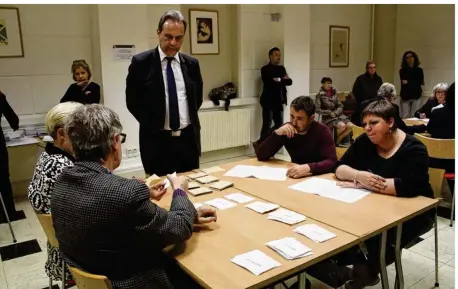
x=123 y=52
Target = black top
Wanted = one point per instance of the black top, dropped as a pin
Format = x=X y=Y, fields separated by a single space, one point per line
x=408 y=166
x=13 y=120
x=427 y=107
x=90 y=94
x=274 y=93
x=366 y=87
x=415 y=79
x=442 y=123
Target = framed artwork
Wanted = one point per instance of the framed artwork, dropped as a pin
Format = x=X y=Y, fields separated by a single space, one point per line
x=204 y=31
x=339 y=46
x=10 y=33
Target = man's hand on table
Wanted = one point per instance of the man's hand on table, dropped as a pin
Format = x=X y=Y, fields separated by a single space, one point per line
x=299 y=171
x=205 y=215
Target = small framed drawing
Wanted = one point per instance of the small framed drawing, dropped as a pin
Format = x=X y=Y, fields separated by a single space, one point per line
x=10 y=33
x=339 y=46
x=204 y=31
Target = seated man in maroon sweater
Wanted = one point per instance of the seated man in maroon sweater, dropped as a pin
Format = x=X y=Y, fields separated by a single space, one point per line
x=309 y=143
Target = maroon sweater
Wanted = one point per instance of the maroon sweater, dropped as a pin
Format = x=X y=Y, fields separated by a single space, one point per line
x=316 y=148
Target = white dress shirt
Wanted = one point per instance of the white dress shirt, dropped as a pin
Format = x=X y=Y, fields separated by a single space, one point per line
x=181 y=91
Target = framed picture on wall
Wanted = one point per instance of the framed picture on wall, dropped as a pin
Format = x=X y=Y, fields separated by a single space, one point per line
x=339 y=46
x=204 y=31
x=10 y=33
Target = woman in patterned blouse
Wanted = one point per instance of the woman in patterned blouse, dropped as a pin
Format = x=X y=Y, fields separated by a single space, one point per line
x=52 y=161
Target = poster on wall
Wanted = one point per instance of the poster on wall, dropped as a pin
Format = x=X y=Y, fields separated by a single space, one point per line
x=10 y=33
x=339 y=46
x=204 y=31
x=123 y=52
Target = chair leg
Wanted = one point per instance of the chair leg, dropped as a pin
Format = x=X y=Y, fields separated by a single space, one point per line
x=453 y=207
x=7 y=218
x=50 y=282
x=63 y=274
x=436 y=250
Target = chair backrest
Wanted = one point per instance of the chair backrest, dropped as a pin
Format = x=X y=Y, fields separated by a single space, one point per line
x=436 y=180
x=47 y=225
x=89 y=281
x=438 y=148
x=340 y=151
x=357 y=131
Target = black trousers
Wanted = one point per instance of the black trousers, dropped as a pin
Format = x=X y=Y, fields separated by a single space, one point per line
x=5 y=184
x=163 y=154
x=267 y=115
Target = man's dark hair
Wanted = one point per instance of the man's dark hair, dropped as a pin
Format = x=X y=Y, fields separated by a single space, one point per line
x=174 y=15
x=326 y=79
x=404 y=63
x=304 y=103
x=272 y=50
x=383 y=109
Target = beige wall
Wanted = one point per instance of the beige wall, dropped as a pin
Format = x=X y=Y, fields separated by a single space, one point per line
x=384 y=40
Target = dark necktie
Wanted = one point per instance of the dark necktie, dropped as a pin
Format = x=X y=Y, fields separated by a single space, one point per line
x=174 y=114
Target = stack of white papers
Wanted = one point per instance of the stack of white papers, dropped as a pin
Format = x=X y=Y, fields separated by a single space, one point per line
x=200 y=191
x=315 y=233
x=196 y=175
x=207 y=179
x=198 y=205
x=193 y=185
x=241 y=171
x=260 y=172
x=239 y=198
x=286 y=216
x=330 y=189
x=220 y=203
x=262 y=207
x=290 y=248
x=221 y=185
x=212 y=170
x=256 y=262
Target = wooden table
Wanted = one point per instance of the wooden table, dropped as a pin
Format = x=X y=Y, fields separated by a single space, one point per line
x=411 y=122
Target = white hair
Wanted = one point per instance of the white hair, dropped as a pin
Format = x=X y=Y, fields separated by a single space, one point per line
x=58 y=115
x=386 y=90
x=439 y=86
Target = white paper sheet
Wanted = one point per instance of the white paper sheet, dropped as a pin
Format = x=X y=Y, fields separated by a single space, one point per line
x=241 y=171
x=21 y=141
x=286 y=216
x=220 y=203
x=290 y=248
x=207 y=179
x=200 y=191
x=260 y=172
x=212 y=170
x=198 y=205
x=196 y=175
x=167 y=182
x=315 y=233
x=262 y=207
x=256 y=262
x=239 y=198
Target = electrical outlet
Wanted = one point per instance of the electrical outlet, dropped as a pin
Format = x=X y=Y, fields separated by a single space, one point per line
x=135 y=152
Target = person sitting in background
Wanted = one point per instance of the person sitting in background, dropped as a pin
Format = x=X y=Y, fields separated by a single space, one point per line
x=437 y=98
x=388 y=92
x=442 y=121
x=56 y=157
x=106 y=224
x=83 y=90
x=309 y=143
x=330 y=108
x=385 y=160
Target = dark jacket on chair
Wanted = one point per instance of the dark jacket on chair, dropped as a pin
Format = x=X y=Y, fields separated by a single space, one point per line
x=107 y=225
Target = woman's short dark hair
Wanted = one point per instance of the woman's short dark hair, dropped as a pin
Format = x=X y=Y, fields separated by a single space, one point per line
x=381 y=108
x=174 y=15
x=404 y=63
x=326 y=79
x=83 y=64
x=304 y=103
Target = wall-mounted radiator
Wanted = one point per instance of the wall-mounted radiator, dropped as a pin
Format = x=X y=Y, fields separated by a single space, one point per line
x=225 y=129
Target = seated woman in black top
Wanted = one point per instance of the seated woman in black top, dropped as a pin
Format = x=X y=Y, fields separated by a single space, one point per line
x=438 y=97
x=387 y=161
x=83 y=90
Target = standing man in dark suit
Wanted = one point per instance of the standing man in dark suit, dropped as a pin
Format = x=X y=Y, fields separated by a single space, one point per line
x=274 y=79
x=164 y=93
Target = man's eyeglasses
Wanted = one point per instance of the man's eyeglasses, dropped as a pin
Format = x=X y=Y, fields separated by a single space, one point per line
x=123 y=137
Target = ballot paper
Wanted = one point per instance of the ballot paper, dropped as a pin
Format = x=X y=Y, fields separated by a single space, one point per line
x=152 y=180
x=193 y=185
x=314 y=232
x=167 y=182
x=220 y=203
x=221 y=185
x=259 y=172
x=330 y=189
x=196 y=175
x=199 y=191
x=212 y=170
x=207 y=179
x=262 y=207
x=290 y=248
x=239 y=198
x=286 y=216
x=198 y=205
x=256 y=262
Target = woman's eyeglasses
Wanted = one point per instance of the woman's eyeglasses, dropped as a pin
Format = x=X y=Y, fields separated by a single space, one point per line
x=123 y=137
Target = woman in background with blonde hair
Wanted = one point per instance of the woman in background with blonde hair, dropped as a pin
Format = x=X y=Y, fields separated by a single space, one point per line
x=83 y=90
x=56 y=157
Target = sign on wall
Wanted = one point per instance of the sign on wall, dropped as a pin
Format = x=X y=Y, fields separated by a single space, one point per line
x=339 y=46
x=10 y=33
x=204 y=31
x=123 y=52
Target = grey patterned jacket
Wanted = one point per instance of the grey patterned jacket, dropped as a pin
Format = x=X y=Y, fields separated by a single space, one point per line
x=107 y=225
x=329 y=107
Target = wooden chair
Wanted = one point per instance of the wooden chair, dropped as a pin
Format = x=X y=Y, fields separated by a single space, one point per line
x=89 y=281
x=441 y=149
x=340 y=151
x=357 y=131
x=47 y=225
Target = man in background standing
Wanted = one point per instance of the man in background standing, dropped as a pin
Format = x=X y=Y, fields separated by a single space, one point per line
x=273 y=97
x=164 y=92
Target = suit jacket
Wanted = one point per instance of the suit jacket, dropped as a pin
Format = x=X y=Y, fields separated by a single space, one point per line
x=274 y=93
x=13 y=120
x=145 y=91
x=107 y=225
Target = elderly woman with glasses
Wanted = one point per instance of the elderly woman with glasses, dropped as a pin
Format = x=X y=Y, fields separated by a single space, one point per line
x=56 y=157
x=438 y=97
x=83 y=90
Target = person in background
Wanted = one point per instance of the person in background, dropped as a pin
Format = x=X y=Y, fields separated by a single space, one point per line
x=412 y=79
x=442 y=121
x=367 y=84
x=108 y=225
x=330 y=108
x=83 y=90
x=387 y=161
x=273 y=97
x=388 y=91
x=437 y=98
x=5 y=183
x=309 y=143
x=57 y=156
